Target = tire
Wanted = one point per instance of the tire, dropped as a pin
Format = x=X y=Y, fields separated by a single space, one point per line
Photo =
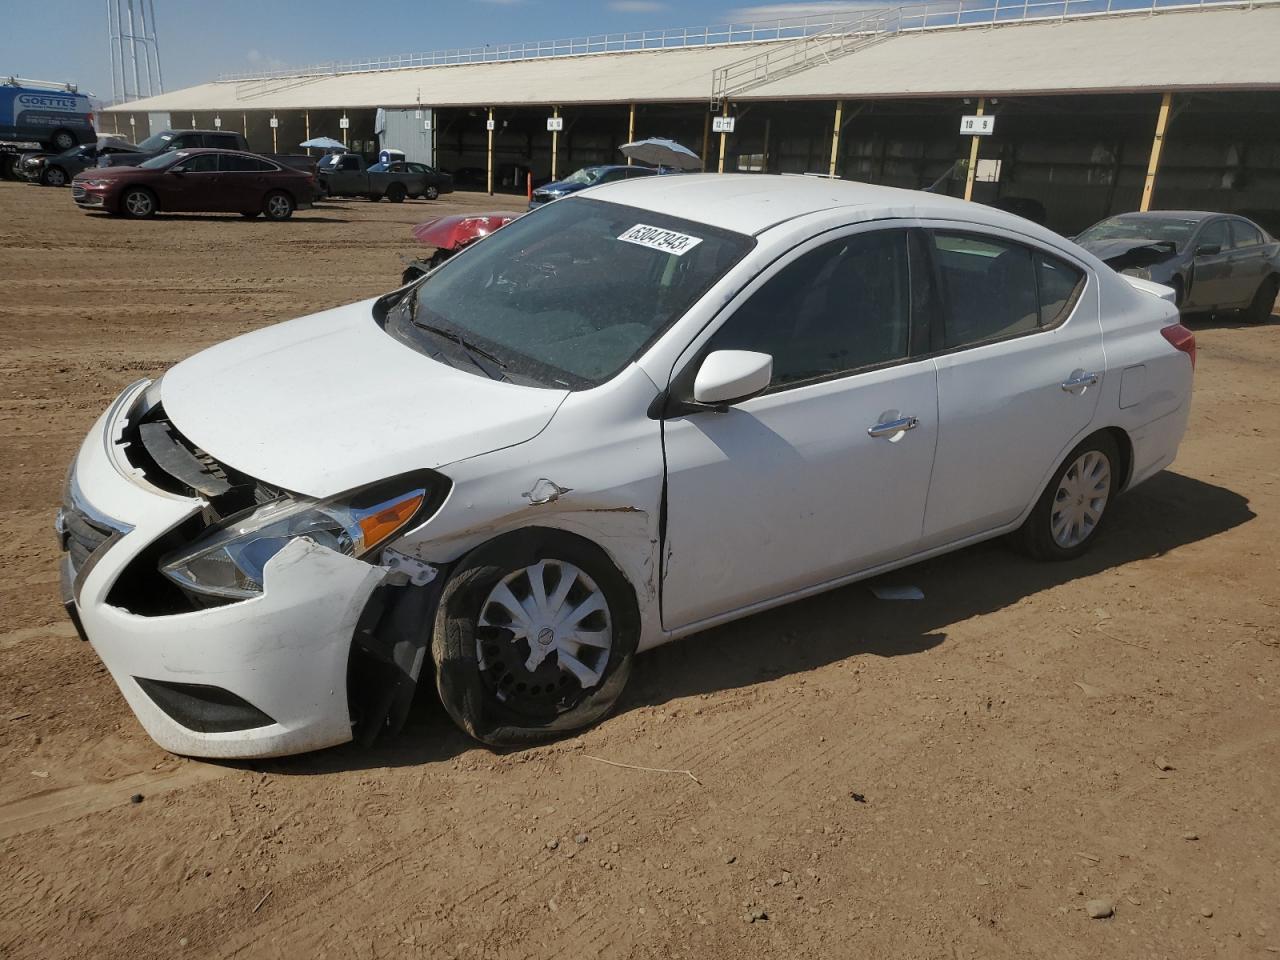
x=396 y=193
x=138 y=203
x=8 y=166
x=373 y=197
x=54 y=177
x=250 y=214
x=433 y=193
x=278 y=205
x=1077 y=492
x=482 y=671
x=62 y=140
x=1264 y=301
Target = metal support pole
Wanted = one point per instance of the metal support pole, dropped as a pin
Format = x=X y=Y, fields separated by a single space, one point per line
x=111 y=44
x=490 y=126
x=973 y=156
x=133 y=53
x=345 y=129
x=306 y=126
x=1157 y=147
x=244 y=125
x=151 y=4
x=275 y=146
x=764 y=154
x=835 y=139
x=724 y=137
x=706 y=141
x=555 y=144
x=631 y=131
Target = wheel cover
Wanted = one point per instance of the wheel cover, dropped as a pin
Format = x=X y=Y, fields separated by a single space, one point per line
x=139 y=203
x=432 y=193
x=544 y=637
x=56 y=177
x=1082 y=495
x=278 y=206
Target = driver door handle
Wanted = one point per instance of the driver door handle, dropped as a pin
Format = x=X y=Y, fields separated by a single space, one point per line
x=890 y=427
x=1079 y=379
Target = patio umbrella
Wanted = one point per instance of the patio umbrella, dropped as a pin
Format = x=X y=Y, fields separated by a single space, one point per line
x=662 y=153
x=324 y=143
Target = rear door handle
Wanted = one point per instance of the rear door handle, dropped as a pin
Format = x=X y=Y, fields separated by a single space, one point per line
x=890 y=427
x=1079 y=379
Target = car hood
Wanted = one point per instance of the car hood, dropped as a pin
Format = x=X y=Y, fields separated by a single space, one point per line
x=1107 y=250
x=330 y=402
x=560 y=186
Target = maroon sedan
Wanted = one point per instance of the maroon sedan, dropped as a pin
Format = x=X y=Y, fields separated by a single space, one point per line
x=196 y=181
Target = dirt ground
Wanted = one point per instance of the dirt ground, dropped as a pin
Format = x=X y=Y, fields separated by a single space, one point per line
x=953 y=778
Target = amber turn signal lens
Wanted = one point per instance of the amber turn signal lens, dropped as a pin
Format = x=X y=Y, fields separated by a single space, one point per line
x=386 y=520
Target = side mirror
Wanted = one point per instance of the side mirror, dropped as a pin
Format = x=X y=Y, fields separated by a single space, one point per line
x=177 y=171
x=727 y=376
x=1208 y=250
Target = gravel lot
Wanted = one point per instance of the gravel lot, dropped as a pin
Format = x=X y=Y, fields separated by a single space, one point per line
x=957 y=777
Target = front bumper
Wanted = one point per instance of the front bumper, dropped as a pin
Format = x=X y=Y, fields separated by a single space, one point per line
x=93 y=199
x=284 y=653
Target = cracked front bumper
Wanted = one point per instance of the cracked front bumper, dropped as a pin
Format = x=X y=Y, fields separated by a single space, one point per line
x=284 y=653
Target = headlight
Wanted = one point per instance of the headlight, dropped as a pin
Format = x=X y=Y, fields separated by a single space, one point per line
x=93 y=183
x=228 y=561
x=1142 y=273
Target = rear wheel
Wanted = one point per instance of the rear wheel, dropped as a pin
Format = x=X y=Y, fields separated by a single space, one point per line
x=374 y=197
x=54 y=177
x=396 y=193
x=534 y=638
x=433 y=193
x=250 y=214
x=1066 y=519
x=1264 y=301
x=278 y=205
x=138 y=202
x=63 y=140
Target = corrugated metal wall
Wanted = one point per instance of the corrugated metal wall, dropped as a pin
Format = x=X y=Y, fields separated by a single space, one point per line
x=409 y=130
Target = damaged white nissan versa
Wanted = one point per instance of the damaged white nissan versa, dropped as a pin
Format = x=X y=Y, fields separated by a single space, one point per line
x=646 y=409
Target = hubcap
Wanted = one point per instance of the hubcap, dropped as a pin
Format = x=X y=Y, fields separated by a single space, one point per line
x=544 y=636
x=56 y=177
x=139 y=203
x=279 y=206
x=1081 y=498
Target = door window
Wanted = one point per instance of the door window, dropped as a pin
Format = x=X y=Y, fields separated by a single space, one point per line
x=839 y=308
x=1213 y=235
x=200 y=163
x=992 y=289
x=348 y=163
x=1244 y=235
x=238 y=163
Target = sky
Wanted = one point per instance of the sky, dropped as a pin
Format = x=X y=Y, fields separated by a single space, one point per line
x=66 y=40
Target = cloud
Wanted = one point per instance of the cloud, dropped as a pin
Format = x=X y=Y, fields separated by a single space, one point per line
x=638 y=6
x=795 y=11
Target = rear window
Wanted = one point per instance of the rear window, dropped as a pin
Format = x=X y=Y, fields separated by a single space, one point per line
x=568 y=296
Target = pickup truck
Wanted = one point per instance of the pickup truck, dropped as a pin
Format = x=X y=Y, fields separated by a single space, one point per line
x=348 y=175
x=168 y=140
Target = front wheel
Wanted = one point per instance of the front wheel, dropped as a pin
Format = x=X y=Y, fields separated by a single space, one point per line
x=1066 y=519
x=1264 y=301
x=138 y=202
x=63 y=140
x=278 y=206
x=396 y=193
x=54 y=177
x=534 y=638
x=433 y=193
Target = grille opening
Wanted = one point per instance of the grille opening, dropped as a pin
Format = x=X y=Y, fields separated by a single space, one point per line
x=141 y=588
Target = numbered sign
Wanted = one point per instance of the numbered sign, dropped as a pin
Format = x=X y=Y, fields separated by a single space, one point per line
x=217 y=122
x=978 y=126
x=426 y=124
x=723 y=124
x=417 y=114
x=555 y=124
x=490 y=125
x=274 y=123
x=344 y=123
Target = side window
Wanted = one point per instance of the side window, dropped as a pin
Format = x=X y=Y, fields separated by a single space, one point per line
x=839 y=308
x=1244 y=235
x=348 y=163
x=200 y=163
x=1214 y=235
x=222 y=141
x=238 y=163
x=988 y=288
x=1059 y=285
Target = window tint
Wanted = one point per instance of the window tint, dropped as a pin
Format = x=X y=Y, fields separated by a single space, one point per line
x=200 y=163
x=223 y=141
x=838 y=308
x=238 y=163
x=1215 y=235
x=1244 y=234
x=988 y=288
x=1059 y=286
x=347 y=163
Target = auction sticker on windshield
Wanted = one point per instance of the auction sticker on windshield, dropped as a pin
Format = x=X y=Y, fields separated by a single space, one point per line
x=668 y=241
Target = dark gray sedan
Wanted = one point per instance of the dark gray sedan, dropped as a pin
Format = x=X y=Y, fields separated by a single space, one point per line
x=59 y=169
x=1212 y=261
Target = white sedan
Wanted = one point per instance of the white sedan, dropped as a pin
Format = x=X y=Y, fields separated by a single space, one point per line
x=650 y=408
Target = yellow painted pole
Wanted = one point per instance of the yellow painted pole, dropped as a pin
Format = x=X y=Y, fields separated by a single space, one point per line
x=306 y=126
x=764 y=156
x=275 y=146
x=706 y=140
x=973 y=156
x=555 y=145
x=724 y=137
x=835 y=139
x=490 y=126
x=1157 y=147
x=345 y=130
x=631 y=130
x=244 y=124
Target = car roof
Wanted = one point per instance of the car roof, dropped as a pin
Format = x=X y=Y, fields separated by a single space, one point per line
x=1169 y=215
x=752 y=203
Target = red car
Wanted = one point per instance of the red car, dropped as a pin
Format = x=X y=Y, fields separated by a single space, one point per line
x=197 y=181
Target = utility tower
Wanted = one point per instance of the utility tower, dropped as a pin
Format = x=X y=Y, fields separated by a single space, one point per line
x=131 y=25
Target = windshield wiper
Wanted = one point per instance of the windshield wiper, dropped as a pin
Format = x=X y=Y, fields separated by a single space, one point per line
x=473 y=351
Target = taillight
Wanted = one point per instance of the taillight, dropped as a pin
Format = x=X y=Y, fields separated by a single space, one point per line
x=1182 y=339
